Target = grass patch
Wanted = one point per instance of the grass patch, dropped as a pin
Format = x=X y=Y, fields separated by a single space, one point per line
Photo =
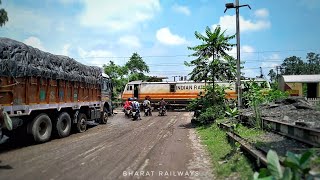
x=250 y=134
x=225 y=163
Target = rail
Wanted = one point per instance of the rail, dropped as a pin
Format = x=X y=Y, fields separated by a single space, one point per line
x=246 y=146
x=303 y=134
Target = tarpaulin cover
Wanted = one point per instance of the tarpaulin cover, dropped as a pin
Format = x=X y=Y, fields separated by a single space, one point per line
x=20 y=60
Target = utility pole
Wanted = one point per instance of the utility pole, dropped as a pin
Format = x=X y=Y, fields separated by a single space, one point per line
x=237 y=6
x=261 y=74
x=238 y=57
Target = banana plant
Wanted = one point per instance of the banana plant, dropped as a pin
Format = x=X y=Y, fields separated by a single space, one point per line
x=232 y=113
x=296 y=167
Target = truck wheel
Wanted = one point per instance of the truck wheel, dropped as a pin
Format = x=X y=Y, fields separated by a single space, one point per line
x=63 y=125
x=82 y=123
x=104 y=116
x=41 y=128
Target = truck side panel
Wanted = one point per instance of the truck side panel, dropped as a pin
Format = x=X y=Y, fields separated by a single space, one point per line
x=23 y=94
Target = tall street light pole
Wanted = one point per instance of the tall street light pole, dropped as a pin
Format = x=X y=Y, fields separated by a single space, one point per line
x=238 y=84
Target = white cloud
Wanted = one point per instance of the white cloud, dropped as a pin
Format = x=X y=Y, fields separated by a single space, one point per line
x=275 y=56
x=27 y=20
x=261 y=13
x=166 y=37
x=229 y=22
x=130 y=41
x=65 y=49
x=118 y=15
x=245 y=50
x=34 y=42
x=181 y=9
x=271 y=61
x=95 y=57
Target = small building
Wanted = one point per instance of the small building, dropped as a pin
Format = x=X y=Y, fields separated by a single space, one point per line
x=301 y=85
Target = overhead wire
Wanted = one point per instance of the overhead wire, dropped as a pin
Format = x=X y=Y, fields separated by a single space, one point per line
x=188 y=55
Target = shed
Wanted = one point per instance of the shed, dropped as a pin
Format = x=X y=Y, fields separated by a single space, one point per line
x=301 y=85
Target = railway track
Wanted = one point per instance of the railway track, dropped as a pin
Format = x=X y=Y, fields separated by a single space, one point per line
x=303 y=134
x=259 y=155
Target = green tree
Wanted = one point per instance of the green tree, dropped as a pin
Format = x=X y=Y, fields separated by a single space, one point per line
x=136 y=68
x=136 y=64
x=215 y=45
x=313 y=63
x=115 y=71
x=133 y=70
x=118 y=76
x=273 y=76
x=293 y=66
x=3 y=16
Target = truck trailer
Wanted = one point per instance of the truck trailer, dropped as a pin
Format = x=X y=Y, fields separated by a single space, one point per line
x=45 y=94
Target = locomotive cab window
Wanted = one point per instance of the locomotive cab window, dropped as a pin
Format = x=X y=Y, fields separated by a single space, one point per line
x=172 y=88
x=129 y=88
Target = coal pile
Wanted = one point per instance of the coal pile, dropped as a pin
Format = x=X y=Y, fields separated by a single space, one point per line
x=296 y=111
x=20 y=60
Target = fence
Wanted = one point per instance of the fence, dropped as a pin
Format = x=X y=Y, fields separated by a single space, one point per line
x=313 y=101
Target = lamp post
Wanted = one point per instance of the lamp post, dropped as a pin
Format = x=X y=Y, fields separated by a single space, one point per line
x=237 y=6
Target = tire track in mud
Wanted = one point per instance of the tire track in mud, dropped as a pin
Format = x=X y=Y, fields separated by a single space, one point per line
x=103 y=152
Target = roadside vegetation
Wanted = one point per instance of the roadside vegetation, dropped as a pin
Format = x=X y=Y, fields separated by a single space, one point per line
x=226 y=162
x=132 y=70
x=211 y=64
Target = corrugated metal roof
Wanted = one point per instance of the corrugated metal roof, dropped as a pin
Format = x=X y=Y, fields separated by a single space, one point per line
x=135 y=82
x=302 y=78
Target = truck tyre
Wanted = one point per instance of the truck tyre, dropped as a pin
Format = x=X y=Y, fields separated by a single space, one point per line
x=63 y=125
x=41 y=128
x=104 y=116
x=82 y=123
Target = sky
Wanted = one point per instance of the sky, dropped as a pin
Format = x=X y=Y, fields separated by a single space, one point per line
x=94 y=32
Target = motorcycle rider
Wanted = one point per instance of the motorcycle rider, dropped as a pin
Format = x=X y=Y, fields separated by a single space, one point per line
x=162 y=104
x=147 y=104
x=136 y=107
x=127 y=104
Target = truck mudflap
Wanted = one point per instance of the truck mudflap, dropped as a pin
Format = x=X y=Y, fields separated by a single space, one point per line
x=3 y=138
x=1 y=116
x=5 y=120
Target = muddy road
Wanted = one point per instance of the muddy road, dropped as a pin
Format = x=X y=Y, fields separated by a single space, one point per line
x=152 y=148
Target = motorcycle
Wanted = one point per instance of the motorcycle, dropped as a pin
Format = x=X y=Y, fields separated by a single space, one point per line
x=147 y=111
x=136 y=115
x=162 y=111
x=128 y=112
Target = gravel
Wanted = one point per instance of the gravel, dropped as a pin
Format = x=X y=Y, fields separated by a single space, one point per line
x=296 y=111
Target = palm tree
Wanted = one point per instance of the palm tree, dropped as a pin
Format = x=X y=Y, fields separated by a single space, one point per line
x=215 y=45
x=3 y=16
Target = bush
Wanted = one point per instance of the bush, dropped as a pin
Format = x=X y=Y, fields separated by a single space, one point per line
x=210 y=106
x=210 y=114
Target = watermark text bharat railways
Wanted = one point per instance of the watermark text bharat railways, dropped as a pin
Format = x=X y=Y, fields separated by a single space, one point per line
x=160 y=173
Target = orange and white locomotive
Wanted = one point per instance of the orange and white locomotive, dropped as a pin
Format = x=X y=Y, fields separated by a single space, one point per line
x=176 y=93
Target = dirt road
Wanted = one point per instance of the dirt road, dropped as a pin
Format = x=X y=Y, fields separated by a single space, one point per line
x=152 y=148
